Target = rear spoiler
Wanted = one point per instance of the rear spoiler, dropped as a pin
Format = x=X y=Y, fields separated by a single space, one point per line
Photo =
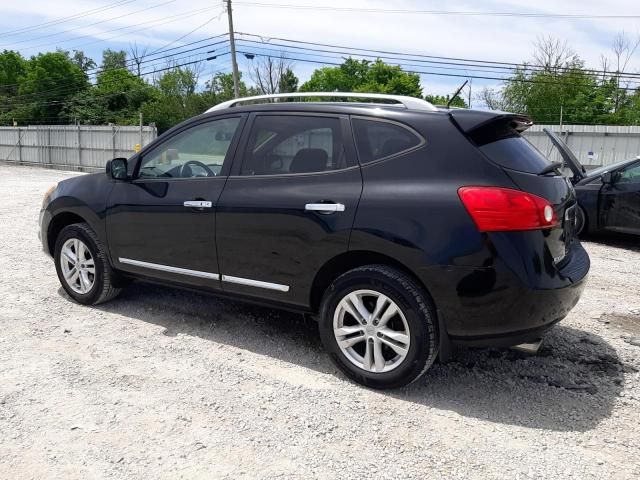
x=473 y=122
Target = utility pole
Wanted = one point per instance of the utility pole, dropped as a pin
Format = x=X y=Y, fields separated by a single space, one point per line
x=470 y=83
x=234 y=62
x=561 y=112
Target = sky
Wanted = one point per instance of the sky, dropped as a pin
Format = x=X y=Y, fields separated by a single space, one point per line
x=40 y=25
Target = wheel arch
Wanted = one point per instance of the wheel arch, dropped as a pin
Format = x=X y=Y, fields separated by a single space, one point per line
x=57 y=223
x=349 y=260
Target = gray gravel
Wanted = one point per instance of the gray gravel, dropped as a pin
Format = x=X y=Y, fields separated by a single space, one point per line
x=167 y=384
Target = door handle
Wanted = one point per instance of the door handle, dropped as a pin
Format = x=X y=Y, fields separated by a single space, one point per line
x=324 y=207
x=198 y=204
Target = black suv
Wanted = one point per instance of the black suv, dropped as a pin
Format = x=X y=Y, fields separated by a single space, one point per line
x=404 y=227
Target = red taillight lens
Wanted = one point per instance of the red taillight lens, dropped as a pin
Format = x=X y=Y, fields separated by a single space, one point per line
x=496 y=209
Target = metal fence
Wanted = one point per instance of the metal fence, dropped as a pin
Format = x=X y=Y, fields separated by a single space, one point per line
x=72 y=147
x=89 y=147
x=593 y=145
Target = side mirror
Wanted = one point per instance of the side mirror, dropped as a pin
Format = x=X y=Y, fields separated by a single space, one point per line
x=607 y=178
x=117 y=169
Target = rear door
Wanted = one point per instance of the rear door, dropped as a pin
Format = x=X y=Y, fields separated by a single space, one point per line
x=620 y=201
x=288 y=206
x=532 y=172
x=161 y=224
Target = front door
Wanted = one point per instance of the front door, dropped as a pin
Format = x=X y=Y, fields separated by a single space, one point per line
x=161 y=224
x=288 y=206
x=620 y=201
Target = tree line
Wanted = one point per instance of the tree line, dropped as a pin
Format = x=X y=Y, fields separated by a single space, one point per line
x=64 y=87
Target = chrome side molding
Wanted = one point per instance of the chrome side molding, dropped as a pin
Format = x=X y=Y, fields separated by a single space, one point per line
x=212 y=276
x=255 y=283
x=167 y=268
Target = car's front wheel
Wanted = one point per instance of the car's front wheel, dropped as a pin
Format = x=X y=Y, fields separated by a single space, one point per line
x=379 y=326
x=82 y=265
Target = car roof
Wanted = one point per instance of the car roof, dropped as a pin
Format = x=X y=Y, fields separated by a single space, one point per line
x=321 y=107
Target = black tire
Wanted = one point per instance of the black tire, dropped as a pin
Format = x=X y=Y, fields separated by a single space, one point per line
x=103 y=288
x=581 y=221
x=415 y=305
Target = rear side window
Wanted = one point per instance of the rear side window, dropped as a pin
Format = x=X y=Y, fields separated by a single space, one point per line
x=286 y=144
x=377 y=139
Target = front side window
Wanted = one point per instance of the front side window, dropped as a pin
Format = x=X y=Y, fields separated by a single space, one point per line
x=630 y=174
x=289 y=144
x=198 y=151
x=376 y=139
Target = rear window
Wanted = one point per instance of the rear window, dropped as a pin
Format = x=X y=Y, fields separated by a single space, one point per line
x=516 y=153
x=377 y=139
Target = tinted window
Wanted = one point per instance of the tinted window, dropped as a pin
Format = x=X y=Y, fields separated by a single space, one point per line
x=196 y=152
x=376 y=140
x=516 y=153
x=284 y=144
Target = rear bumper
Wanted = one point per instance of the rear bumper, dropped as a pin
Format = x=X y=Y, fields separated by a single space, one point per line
x=493 y=307
x=537 y=312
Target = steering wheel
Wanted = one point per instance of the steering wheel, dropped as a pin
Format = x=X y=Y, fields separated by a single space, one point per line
x=187 y=171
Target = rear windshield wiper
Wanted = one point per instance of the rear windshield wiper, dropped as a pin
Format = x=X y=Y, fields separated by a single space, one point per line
x=551 y=167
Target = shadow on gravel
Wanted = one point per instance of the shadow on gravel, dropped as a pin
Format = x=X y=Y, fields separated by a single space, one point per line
x=571 y=385
x=616 y=240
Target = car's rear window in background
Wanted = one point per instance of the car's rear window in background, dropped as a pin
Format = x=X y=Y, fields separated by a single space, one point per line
x=516 y=153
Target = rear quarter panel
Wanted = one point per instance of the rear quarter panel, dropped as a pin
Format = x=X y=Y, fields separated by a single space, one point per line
x=410 y=208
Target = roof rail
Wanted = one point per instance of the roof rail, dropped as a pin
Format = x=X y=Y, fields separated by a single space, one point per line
x=407 y=102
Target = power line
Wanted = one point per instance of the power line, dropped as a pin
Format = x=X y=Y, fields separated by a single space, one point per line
x=456 y=65
x=421 y=72
x=510 y=65
x=63 y=90
x=60 y=20
x=129 y=63
x=440 y=12
x=186 y=34
x=136 y=28
x=92 y=24
x=65 y=102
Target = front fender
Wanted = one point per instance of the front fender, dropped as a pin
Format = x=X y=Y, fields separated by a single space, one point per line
x=84 y=197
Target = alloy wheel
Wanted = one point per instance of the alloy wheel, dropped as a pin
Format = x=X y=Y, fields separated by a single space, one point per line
x=371 y=331
x=78 y=266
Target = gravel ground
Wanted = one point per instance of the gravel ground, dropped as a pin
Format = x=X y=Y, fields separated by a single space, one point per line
x=167 y=384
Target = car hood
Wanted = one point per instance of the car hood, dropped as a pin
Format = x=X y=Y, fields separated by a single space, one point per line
x=570 y=160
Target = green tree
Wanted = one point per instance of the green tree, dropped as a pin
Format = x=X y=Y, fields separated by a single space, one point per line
x=364 y=76
x=50 y=80
x=176 y=99
x=81 y=60
x=442 y=100
x=112 y=59
x=288 y=82
x=12 y=68
x=117 y=97
x=220 y=88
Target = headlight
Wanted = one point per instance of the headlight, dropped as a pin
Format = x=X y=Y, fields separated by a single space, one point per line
x=48 y=193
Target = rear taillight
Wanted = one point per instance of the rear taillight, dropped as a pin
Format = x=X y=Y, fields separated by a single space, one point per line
x=496 y=209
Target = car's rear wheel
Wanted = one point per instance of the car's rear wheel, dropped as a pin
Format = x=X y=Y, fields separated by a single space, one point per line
x=82 y=266
x=379 y=326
